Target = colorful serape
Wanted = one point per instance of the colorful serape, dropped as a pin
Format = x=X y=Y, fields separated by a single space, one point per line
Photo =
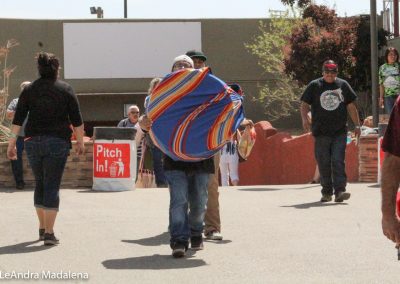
x=194 y=114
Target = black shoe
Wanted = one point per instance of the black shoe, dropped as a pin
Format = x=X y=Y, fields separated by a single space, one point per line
x=178 y=250
x=50 y=239
x=41 y=234
x=342 y=196
x=326 y=198
x=20 y=186
x=196 y=243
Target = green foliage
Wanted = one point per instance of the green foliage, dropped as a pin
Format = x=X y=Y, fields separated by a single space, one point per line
x=281 y=96
x=300 y=3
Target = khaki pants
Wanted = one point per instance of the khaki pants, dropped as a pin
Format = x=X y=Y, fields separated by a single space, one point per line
x=212 y=219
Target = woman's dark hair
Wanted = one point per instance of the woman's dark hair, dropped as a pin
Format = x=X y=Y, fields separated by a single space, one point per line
x=48 y=65
x=389 y=49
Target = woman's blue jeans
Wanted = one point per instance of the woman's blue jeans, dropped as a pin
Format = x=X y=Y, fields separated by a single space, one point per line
x=389 y=103
x=330 y=155
x=47 y=157
x=187 y=207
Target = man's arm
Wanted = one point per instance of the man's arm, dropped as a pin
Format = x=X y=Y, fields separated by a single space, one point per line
x=352 y=110
x=304 y=109
x=79 y=133
x=390 y=184
x=10 y=115
x=12 y=141
x=381 y=95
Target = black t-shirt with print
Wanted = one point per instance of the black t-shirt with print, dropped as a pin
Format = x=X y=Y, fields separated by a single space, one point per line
x=328 y=105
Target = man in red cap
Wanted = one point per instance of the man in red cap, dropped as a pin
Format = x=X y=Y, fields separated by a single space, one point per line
x=330 y=99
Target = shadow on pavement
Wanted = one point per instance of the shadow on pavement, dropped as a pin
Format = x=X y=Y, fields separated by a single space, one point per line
x=314 y=204
x=255 y=189
x=154 y=262
x=217 y=242
x=375 y=185
x=23 y=248
x=99 y=191
x=162 y=239
x=258 y=189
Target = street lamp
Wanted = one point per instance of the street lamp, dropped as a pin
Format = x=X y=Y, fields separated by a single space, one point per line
x=98 y=11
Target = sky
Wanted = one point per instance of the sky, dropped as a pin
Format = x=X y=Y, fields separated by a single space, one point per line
x=163 y=9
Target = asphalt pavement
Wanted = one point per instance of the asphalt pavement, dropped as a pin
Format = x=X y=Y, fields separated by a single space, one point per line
x=272 y=234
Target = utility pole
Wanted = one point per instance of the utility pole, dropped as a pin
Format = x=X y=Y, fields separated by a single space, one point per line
x=125 y=9
x=374 y=62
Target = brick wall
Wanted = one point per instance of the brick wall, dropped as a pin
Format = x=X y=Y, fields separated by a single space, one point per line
x=78 y=170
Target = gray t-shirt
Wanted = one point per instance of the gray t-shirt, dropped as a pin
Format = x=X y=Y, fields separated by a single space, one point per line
x=13 y=107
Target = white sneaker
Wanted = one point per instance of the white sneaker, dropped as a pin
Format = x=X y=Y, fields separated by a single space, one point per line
x=214 y=235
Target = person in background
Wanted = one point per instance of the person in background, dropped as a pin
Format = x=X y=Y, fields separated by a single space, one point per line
x=389 y=79
x=229 y=159
x=132 y=122
x=17 y=165
x=391 y=176
x=330 y=98
x=156 y=153
x=52 y=106
x=229 y=162
x=212 y=228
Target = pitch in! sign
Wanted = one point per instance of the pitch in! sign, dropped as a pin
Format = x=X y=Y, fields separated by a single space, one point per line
x=111 y=160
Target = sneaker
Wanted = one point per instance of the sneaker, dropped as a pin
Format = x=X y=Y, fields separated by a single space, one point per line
x=196 y=243
x=178 y=250
x=50 y=239
x=326 y=198
x=20 y=186
x=342 y=196
x=214 y=235
x=41 y=234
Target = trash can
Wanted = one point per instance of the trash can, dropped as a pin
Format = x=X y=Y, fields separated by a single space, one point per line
x=381 y=155
x=114 y=158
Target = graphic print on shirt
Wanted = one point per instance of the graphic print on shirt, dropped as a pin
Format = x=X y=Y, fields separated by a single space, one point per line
x=390 y=74
x=331 y=99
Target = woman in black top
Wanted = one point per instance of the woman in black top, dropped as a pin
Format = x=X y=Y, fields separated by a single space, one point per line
x=52 y=107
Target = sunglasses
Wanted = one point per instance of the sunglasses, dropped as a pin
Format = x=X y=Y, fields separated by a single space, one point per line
x=134 y=112
x=330 y=72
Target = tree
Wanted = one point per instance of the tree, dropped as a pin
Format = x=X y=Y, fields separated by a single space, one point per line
x=280 y=97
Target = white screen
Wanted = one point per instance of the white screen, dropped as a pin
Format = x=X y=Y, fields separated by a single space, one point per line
x=126 y=50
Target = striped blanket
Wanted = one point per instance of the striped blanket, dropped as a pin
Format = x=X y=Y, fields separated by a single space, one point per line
x=194 y=114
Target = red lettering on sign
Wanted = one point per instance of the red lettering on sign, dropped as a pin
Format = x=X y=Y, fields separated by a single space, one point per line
x=111 y=160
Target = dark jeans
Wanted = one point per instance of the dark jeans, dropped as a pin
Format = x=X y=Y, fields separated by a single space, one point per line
x=161 y=180
x=16 y=165
x=187 y=206
x=389 y=103
x=330 y=155
x=47 y=156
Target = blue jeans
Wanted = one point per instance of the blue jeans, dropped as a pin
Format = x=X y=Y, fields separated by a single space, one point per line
x=47 y=156
x=330 y=156
x=187 y=207
x=16 y=165
x=158 y=166
x=389 y=103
